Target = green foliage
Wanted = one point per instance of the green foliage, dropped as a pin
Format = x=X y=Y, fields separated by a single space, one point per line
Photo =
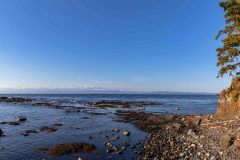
x=228 y=55
x=233 y=90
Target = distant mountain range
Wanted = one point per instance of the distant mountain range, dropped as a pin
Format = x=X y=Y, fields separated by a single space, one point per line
x=93 y=91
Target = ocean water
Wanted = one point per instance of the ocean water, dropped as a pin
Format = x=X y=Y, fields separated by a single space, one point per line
x=15 y=146
x=188 y=104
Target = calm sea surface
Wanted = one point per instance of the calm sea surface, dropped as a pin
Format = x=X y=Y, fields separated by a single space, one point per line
x=16 y=146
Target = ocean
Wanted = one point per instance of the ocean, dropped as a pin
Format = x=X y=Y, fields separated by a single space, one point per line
x=86 y=126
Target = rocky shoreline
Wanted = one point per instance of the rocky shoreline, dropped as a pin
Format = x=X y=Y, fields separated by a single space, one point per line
x=170 y=136
x=115 y=142
x=15 y=100
x=187 y=136
x=103 y=104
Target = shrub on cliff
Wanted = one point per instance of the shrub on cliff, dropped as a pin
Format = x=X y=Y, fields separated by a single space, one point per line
x=234 y=90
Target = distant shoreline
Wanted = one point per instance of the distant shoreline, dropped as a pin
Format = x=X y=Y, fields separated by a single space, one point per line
x=114 y=93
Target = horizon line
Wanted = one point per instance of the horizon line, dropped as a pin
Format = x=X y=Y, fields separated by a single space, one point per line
x=111 y=93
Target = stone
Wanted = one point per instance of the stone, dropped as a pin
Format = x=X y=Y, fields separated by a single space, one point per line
x=196 y=137
x=181 y=154
x=123 y=148
x=48 y=129
x=73 y=111
x=115 y=148
x=202 y=136
x=213 y=158
x=116 y=129
x=119 y=152
x=43 y=149
x=124 y=142
x=85 y=118
x=109 y=144
x=237 y=143
x=193 y=145
x=21 y=119
x=14 y=100
x=25 y=134
x=14 y=123
x=191 y=132
x=126 y=133
x=1 y=133
x=199 y=122
x=177 y=126
x=31 y=131
x=109 y=150
x=207 y=154
x=70 y=148
x=104 y=143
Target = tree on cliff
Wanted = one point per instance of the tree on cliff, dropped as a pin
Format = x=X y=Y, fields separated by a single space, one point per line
x=228 y=55
x=228 y=60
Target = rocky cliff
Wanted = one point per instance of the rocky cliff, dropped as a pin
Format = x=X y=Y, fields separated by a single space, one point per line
x=229 y=101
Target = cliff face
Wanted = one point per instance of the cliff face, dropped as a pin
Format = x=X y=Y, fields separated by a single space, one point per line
x=227 y=106
x=229 y=101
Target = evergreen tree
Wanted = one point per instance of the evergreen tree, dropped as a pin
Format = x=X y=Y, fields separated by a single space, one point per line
x=228 y=54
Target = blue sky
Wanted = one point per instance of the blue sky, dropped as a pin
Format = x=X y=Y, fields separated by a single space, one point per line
x=135 y=45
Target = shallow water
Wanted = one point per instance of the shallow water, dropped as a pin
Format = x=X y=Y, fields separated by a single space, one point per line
x=16 y=146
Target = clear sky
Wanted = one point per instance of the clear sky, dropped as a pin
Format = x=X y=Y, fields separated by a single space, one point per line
x=133 y=45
